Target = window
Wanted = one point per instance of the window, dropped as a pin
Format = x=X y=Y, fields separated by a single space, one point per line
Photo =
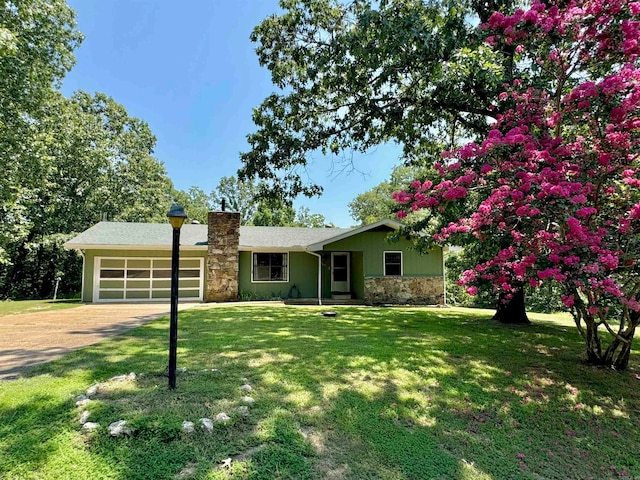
x=270 y=267
x=392 y=264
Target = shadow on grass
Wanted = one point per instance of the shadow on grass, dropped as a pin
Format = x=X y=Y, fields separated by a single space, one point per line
x=378 y=393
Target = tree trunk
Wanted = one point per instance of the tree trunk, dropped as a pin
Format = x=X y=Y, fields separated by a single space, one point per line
x=593 y=345
x=513 y=311
x=617 y=354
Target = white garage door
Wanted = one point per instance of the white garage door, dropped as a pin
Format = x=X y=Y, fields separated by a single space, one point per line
x=145 y=279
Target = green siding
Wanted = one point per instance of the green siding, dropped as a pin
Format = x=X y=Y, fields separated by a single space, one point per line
x=373 y=244
x=303 y=272
x=90 y=255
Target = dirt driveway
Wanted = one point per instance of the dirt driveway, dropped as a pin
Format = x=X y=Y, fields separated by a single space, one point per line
x=31 y=338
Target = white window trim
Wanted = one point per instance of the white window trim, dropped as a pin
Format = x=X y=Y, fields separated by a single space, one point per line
x=269 y=253
x=96 y=282
x=384 y=263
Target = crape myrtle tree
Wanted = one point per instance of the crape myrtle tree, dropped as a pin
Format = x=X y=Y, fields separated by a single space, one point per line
x=558 y=175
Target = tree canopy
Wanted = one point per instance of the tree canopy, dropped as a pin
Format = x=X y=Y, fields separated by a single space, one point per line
x=94 y=162
x=37 y=40
x=357 y=74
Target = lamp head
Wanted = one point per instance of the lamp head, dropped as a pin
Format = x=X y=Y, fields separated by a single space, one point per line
x=176 y=216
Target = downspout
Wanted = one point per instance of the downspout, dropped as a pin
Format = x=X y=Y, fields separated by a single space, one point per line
x=444 y=275
x=319 y=275
x=82 y=283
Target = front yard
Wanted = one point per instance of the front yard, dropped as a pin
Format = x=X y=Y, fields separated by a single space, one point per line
x=373 y=393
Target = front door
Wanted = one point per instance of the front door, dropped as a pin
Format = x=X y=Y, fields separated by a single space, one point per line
x=340 y=272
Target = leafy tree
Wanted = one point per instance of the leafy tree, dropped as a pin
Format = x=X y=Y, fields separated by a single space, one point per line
x=304 y=218
x=273 y=213
x=196 y=203
x=377 y=204
x=239 y=196
x=94 y=162
x=558 y=175
x=37 y=40
x=357 y=74
x=247 y=198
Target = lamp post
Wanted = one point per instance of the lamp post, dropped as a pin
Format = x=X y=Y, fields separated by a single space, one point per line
x=176 y=218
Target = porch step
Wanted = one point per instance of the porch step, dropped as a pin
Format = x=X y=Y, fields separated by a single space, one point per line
x=325 y=301
x=340 y=296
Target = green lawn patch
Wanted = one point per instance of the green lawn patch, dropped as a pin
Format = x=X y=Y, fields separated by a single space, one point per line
x=400 y=393
x=11 y=307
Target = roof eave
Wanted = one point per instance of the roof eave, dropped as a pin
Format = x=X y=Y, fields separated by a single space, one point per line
x=79 y=246
x=294 y=248
x=385 y=222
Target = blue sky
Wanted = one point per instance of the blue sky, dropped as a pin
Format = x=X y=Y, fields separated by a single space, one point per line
x=190 y=71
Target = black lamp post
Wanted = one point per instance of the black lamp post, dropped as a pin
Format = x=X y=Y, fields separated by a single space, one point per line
x=176 y=218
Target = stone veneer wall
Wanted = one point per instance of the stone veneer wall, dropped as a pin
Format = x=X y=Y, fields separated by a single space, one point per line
x=404 y=290
x=223 y=257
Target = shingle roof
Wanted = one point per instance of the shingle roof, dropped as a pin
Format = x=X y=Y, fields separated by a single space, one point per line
x=122 y=234
x=138 y=234
x=285 y=237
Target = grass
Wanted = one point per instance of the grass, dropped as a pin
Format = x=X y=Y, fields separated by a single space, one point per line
x=403 y=393
x=12 y=307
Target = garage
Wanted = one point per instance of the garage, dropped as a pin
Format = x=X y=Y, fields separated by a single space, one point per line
x=144 y=279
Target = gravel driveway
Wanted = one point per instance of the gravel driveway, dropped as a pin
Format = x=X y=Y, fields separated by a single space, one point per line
x=31 y=338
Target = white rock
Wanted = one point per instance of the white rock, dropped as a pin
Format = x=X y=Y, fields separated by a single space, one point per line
x=89 y=427
x=187 y=426
x=215 y=370
x=93 y=389
x=222 y=418
x=131 y=376
x=119 y=428
x=246 y=388
x=83 y=402
x=118 y=378
x=181 y=369
x=207 y=424
x=243 y=410
x=248 y=400
x=84 y=417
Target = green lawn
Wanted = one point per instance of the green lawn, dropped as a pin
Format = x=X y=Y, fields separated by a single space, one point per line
x=374 y=393
x=10 y=307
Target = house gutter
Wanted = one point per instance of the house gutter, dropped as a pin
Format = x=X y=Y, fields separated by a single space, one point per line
x=445 y=250
x=82 y=284
x=319 y=274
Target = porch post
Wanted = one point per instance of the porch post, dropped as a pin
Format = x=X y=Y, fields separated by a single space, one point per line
x=319 y=279
x=319 y=275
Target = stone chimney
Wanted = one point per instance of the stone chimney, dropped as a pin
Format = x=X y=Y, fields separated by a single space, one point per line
x=222 y=259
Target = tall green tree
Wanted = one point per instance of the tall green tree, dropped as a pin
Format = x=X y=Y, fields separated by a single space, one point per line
x=239 y=196
x=94 y=162
x=376 y=204
x=37 y=40
x=355 y=75
x=196 y=203
x=358 y=74
x=304 y=218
